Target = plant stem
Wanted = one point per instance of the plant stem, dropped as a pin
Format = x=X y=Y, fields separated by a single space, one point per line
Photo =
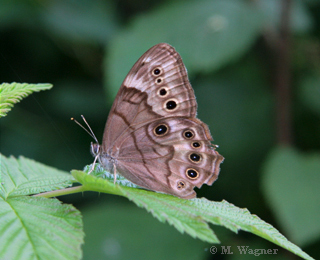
x=61 y=192
x=283 y=76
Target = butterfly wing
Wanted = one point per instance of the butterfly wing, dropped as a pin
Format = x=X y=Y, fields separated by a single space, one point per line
x=171 y=84
x=152 y=129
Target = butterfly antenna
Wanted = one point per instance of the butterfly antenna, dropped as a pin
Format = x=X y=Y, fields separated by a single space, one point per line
x=89 y=132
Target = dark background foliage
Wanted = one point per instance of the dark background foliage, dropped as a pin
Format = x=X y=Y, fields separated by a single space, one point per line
x=255 y=68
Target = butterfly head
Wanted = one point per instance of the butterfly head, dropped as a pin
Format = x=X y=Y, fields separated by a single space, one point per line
x=95 y=149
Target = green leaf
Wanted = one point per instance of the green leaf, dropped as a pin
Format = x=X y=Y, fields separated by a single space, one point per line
x=12 y=93
x=38 y=228
x=208 y=34
x=291 y=186
x=25 y=177
x=190 y=216
x=87 y=21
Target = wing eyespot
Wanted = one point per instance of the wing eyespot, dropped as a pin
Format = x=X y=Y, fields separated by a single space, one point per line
x=161 y=130
x=158 y=80
x=163 y=92
x=196 y=145
x=157 y=71
x=192 y=174
x=171 y=105
x=195 y=158
x=181 y=185
x=188 y=134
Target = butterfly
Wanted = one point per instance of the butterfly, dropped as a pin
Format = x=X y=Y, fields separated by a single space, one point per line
x=152 y=136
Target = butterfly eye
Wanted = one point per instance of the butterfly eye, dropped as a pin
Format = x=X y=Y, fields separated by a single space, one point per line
x=161 y=130
x=181 y=185
x=171 y=105
x=196 y=145
x=189 y=134
x=194 y=157
x=192 y=174
x=156 y=72
x=163 y=92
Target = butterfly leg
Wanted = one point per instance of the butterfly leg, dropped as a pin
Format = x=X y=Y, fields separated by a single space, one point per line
x=93 y=164
x=114 y=174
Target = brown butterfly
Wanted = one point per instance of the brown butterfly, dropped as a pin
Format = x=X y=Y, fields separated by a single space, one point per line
x=152 y=136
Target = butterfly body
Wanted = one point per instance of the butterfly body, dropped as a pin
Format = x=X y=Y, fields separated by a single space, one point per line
x=152 y=136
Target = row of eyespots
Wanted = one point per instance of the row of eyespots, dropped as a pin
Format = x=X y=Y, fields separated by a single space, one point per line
x=157 y=72
x=171 y=104
x=193 y=157
x=191 y=173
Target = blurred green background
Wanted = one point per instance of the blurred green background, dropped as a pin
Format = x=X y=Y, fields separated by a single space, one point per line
x=234 y=51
